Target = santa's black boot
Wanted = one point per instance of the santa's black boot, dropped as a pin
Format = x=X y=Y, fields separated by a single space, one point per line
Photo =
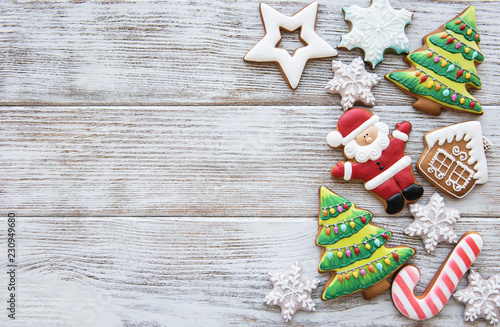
x=395 y=204
x=413 y=192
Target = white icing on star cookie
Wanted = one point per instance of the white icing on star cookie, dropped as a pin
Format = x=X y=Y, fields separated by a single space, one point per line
x=481 y=298
x=291 y=66
x=353 y=83
x=375 y=29
x=433 y=222
x=291 y=291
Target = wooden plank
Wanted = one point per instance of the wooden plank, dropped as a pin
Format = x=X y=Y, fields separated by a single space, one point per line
x=184 y=52
x=196 y=271
x=203 y=161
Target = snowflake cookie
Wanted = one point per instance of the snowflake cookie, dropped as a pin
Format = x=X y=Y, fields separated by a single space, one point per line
x=433 y=222
x=481 y=298
x=375 y=29
x=266 y=49
x=291 y=291
x=353 y=83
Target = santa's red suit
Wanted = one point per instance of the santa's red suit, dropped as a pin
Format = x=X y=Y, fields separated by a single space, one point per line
x=387 y=175
x=390 y=176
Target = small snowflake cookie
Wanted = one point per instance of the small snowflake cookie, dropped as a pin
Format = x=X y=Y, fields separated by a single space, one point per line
x=481 y=298
x=433 y=222
x=375 y=29
x=353 y=83
x=454 y=158
x=266 y=49
x=291 y=291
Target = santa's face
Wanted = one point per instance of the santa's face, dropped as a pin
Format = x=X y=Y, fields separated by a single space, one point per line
x=369 y=144
x=367 y=136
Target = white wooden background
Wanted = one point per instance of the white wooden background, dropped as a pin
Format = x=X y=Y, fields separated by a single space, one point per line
x=157 y=177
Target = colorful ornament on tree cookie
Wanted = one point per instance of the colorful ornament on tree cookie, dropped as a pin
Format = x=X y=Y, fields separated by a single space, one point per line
x=291 y=291
x=439 y=291
x=449 y=58
x=353 y=83
x=481 y=298
x=353 y=255
x=454 y=158
x=376 y=157
x=266 y=49
x=375 y=29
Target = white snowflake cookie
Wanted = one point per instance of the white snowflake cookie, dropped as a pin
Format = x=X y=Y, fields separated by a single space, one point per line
x=291 y=291
x=433 y=222
x=375 y=29
x=481 y=298
x=353 y=83
x=266 y=49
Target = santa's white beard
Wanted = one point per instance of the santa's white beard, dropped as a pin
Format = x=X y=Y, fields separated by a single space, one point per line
x=372 y=151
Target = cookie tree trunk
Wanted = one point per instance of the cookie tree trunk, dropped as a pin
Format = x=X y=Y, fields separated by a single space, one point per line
x=354 y=249
x=444 y=68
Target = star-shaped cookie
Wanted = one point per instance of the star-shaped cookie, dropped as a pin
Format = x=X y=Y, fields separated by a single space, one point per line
x=291 y=291
x=353 y=83
x=481 y=298
x=375 y=29
x=266 y=49
x=433 y=222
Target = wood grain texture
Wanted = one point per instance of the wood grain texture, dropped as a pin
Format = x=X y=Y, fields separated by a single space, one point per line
x=182 y=52
x=157 y=177
x=187 y=271
x=203 y=161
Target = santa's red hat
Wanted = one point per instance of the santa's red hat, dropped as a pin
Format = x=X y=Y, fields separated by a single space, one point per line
x=350 y=125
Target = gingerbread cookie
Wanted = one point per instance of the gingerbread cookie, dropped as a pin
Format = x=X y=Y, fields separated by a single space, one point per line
x=266 y=49
x=376 y=29
x=291 y=291
x=376 y=157
x=433 y=222
x=439 y=291
x=481 y=298
x=454 y=158
x=444 y=69
x=354 y=249
x=353 y=83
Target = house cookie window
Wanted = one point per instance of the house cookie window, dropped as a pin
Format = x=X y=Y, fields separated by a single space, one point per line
x=441 y=163
x=460 y=177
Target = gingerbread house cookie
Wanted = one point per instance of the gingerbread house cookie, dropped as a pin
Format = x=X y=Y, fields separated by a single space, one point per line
x=454 y=158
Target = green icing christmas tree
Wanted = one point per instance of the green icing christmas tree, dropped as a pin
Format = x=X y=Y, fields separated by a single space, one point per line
x=444 y=69
x=354 y=249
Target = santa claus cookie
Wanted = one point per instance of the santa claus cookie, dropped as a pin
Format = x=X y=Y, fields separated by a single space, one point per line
x=376 y=157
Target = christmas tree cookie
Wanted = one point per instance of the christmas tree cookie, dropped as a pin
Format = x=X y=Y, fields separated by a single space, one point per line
x=444 y=69
x=354 y=249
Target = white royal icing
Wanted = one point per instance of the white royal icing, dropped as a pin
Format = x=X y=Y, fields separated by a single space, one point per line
x=400 y=135
x=388 y=173
x=433 y=222
x=292 y=66
x=471 y=132
x=375 y=29
x=347 y=171
x=353 y=83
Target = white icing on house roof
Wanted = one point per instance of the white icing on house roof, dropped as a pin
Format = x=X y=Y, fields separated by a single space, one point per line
x=469 y=131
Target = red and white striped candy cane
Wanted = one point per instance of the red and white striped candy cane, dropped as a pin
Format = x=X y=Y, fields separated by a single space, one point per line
x=437 y=294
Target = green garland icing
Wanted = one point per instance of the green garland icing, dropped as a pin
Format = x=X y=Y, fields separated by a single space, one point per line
x=410 y=82
x=469 y=16
x=336 y=289
x=439 y=42
x=422 y=59
x=325 y=239
x=329 y=215
x=336 y=262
